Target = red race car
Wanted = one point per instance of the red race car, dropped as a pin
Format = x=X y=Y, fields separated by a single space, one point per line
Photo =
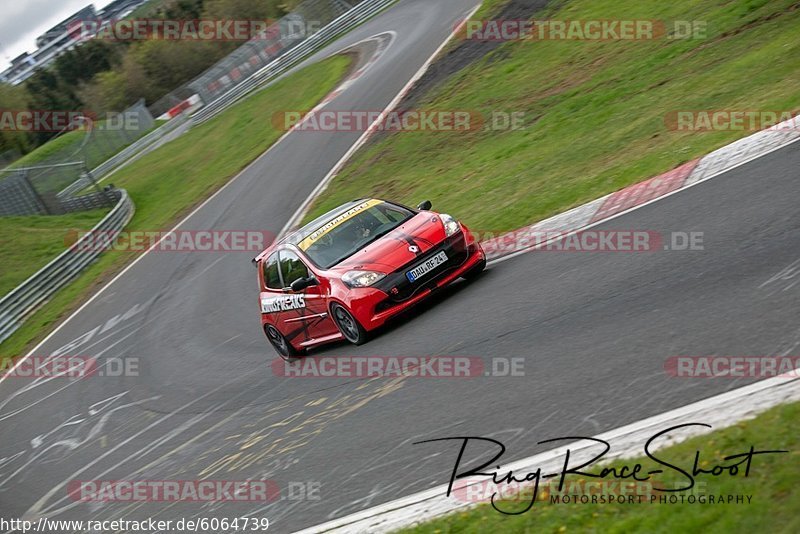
x=344 y=274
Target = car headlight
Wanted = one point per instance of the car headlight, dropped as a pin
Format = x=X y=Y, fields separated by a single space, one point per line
x=451 y=225
x=361 y=278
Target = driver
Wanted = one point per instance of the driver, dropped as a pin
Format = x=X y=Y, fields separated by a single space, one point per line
x=366 y=225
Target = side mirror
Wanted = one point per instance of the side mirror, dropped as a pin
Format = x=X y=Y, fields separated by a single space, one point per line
x=425 y=205
x=302 y=283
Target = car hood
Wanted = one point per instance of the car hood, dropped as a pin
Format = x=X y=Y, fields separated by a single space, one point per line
x=396 y=249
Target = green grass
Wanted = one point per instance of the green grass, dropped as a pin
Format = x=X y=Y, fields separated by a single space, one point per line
x=29 y=243
x=595 y=112
x=168 y=182
x=69 y=148
x=65 y=145
x=146 y=9
x=772 y=483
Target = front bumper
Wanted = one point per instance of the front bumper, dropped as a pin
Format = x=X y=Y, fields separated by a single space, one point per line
x=394 y=294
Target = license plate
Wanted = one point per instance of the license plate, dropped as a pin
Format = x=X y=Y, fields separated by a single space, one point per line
x=417 y=272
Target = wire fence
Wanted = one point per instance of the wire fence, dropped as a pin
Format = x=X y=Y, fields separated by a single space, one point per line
x=308 y=18
x=31 y=185
x=19 y=195
x=125 y=156
x=342 y=24
x=58 y=183
x=46 y=185
x=8 y=157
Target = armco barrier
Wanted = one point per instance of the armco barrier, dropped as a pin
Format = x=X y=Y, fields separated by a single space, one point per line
x=283 y=63
x=16 y=306
x=29 y=295
x=342 y=24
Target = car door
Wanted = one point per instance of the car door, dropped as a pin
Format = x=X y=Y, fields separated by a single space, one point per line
x=274 y=304
x=309 y=319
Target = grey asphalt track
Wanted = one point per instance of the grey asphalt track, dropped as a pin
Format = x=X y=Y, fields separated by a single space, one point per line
x=594 y=330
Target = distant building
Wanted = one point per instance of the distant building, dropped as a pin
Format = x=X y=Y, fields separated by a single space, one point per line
x=119 y=9
x=58 y=32
x=19 y=64
x=61 y=38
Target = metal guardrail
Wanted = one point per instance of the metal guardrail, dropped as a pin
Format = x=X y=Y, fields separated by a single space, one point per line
x=134 y=150
x=17 y=305
x=283 y=63
x=26 y=298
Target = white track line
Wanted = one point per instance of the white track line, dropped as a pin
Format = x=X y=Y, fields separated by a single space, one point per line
x=136 y=260
x=140 y=257
x=348 y=522
x=301 y=211
x=721 y=410
x=633 y=208
x=626 y=442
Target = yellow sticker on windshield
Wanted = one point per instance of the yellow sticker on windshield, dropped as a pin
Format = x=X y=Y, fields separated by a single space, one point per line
x=314 y=236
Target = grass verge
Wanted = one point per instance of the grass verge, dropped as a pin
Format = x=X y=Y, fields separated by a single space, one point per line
x=595 y=112
x=771 y=483
x=64 y=148
x=211 y=154
x=66 y=144
x=29 y=243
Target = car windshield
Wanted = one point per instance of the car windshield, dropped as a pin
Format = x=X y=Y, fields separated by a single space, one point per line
x=342 y=236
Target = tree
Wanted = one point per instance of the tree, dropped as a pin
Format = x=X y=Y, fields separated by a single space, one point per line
x=169 y=64
x=46 y=91
x=102 y=76
x=13 y=98
x=83 y=62
x=108 y=91
x=244 y=9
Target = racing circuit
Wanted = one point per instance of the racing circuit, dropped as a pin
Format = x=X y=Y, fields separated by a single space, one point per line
x=594 y=331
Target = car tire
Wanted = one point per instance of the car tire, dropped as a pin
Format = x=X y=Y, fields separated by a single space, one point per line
x=281 y=345
x=348 y=325
x=475 y=272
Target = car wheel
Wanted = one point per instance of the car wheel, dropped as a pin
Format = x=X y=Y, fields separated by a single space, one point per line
x=350 y=328
x=281 y=345
x=475 y=272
